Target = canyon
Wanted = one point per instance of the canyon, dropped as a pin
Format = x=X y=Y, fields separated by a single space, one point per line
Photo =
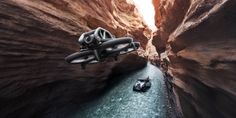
x=197 y=36
x=36 y=36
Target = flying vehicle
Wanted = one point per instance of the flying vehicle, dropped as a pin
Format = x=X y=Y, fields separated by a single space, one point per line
x=142 y=85
x=99 y=44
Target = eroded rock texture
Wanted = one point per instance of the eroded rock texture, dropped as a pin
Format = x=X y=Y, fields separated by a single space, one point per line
x=35 y=36
x=202 y=37
x=168 y=15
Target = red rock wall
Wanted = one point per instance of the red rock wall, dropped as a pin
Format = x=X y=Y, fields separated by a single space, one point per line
x=203 y=57
x=168 y=15
x=35 y=37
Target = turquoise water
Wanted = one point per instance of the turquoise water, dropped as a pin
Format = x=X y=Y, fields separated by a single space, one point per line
x=123 y=102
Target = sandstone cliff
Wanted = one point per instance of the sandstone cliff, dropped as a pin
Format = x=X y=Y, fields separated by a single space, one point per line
x=35 y=37
x=201 y=40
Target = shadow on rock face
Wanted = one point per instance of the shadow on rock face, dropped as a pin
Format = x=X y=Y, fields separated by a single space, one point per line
x=57 y=98
x=36 y=36
x=203 y=55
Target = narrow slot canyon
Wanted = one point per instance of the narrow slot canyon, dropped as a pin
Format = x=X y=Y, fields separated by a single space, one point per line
x=187 y=48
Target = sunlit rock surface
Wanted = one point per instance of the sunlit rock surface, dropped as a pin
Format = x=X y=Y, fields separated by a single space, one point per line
x=202 y=37
x=36 y=36
x=168 y=15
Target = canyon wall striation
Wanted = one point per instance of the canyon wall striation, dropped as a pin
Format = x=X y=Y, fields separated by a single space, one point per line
x=200 y=39
x=36 y=36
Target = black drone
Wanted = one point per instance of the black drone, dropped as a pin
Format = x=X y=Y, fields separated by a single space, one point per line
x=99 y=44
